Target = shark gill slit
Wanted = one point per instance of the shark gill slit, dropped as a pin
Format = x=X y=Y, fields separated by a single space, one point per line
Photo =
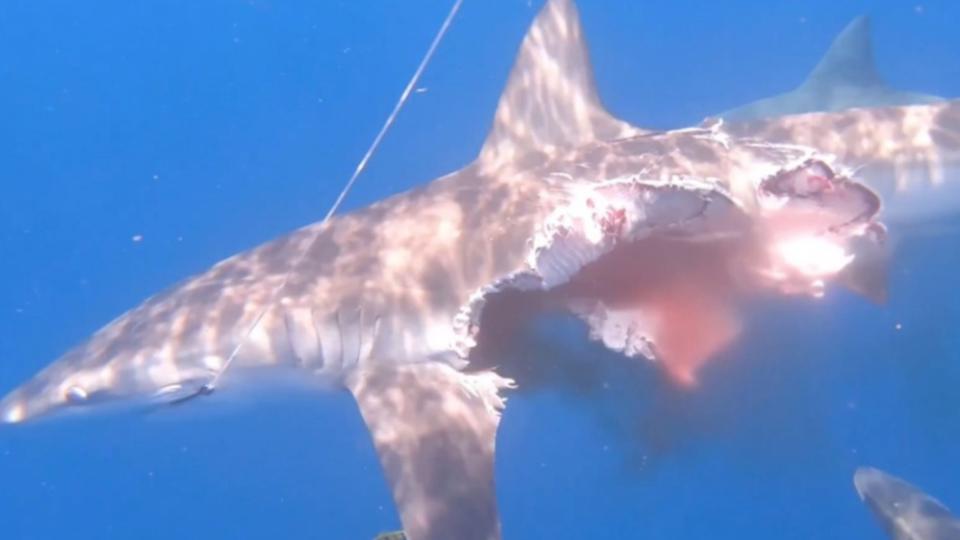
x=211 y=385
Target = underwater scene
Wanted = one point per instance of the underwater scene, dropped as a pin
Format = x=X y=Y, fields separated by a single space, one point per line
x=472 y=270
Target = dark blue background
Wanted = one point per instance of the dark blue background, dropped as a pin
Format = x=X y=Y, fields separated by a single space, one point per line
x=209 y=127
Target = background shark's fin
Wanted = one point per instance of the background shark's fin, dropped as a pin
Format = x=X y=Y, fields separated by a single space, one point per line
x=550 y=100
x=846 y=77
x=849 y=60
x=434 y=430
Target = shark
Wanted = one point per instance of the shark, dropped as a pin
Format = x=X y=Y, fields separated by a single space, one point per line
x=846 y=77
x=916 y=201
x=653 y=239
x=904 y=511
x=915 y=178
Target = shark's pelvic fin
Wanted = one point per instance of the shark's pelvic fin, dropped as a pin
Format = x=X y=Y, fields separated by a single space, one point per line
x=434 y=430
x=550 y=100
x=846 y=77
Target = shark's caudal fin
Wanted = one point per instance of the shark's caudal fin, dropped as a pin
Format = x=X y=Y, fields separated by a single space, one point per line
x=550 y=101
x=846 y=77
x=434 y=429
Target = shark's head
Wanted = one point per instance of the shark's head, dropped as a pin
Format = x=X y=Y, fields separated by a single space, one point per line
x=85 y=379
x=49 y=393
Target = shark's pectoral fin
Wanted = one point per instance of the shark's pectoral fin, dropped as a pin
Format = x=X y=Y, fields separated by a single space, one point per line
x=434 y=429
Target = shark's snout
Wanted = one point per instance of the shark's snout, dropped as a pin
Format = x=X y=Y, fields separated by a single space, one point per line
x=12 y=409
x=18 y=406
x=64 y=385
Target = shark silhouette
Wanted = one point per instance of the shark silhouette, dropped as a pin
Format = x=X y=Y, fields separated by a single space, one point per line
x=846 y=77
x=653 y=239
x=905 y=512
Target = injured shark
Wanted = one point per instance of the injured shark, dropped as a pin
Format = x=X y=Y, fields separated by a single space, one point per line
x=653 y=239
x=905 y=512
x=915 y=184
x=920 y=185
x=909 y=156
x=846 y=77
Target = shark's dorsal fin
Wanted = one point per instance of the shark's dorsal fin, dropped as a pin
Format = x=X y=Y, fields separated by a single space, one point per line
x=845 y=78
x=550 y=100
x=849 y=60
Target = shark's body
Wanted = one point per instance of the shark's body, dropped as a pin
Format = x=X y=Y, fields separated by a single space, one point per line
x=652 y=238
x=908 y=155
x=905 y=512
x=910 y=177
x=845 y=78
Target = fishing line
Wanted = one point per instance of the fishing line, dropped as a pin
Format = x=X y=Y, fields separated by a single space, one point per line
x=211 y=385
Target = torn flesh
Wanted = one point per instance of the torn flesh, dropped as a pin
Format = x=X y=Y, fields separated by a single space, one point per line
x=658 y=269
x=810 y=221
x=610 y=255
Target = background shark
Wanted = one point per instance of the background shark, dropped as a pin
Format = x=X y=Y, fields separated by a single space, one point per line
x=905 y=512
x=846 y=77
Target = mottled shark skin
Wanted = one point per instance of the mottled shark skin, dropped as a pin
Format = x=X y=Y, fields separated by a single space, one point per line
x=908 y=155
x=653 y=239
x=905 y=512
x=846 y=77
x=910 y=171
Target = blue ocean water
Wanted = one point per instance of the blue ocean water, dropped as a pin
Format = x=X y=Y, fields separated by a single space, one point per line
x=141 y=142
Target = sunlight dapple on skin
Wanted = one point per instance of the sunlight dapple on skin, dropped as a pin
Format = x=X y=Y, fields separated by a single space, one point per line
x=654 y=239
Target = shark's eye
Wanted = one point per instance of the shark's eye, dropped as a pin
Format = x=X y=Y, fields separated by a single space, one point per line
x=76 y=394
